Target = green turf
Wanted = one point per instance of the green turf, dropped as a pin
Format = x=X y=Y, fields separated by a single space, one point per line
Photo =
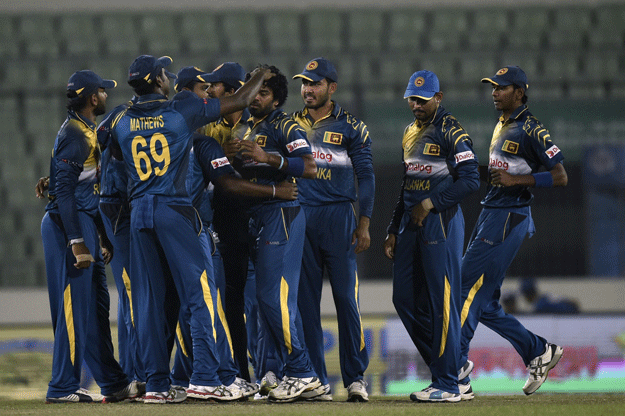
x=538 y=404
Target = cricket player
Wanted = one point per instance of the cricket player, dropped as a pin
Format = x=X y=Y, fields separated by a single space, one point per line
x=341 y=146
x=519 y=148
x=426 y=236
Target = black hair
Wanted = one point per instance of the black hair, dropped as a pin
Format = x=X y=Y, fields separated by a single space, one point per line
x=141 y=87
x=230 y=88
x=524 y=99
x=278 y=83
x=75 y=102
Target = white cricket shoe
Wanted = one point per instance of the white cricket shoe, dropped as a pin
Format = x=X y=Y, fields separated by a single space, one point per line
x=466 y=391
x=320 y=394
x=162 y=397
x=539 y=367
x=247 y=389
x=80 y=396
x=291 y=388
x=357 y=392
x=465 y=370
x=432 y=394
x=130 y=392
x=268 y=383
x=220 y=393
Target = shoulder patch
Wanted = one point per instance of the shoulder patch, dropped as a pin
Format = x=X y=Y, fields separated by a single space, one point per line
x=333 y=138
x=432 y=149
x=261 y=140
x=552 y=151
x=222 y=161
x=297 y=144
x=510 y=147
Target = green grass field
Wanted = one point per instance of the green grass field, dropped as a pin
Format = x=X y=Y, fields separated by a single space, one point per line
x=538 y=404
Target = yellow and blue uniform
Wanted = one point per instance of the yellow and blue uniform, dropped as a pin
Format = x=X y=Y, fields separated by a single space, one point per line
x=232 y=257
x=155 y=138
x=341 y=146
x=439 y=164
x=79 y=298
x=207 y=163
x=115 y=211
x=278 y=228
x=520 y=146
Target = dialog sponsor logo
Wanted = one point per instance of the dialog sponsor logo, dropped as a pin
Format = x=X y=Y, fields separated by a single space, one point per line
x=222 y=161
x=552 y=151
x=498 y=164
x=461 y=157
x=297 y=144
x=417 y=167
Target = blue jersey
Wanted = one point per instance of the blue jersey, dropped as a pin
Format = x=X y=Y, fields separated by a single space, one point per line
x=520 y=146
x=341 y=146
x=277 y=134
x=439 y=164
x=208 y=163
x=155 y=137
x=74 y=173
x=113 y=177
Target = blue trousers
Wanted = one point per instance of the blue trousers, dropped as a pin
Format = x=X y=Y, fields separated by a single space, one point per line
x=251 y=320
x=328 y=246
x=183 y=361
x=165 y=229
x=116 y=219
x=79 y=306
x=495 y=241
x=426 y=290
x=277 y=255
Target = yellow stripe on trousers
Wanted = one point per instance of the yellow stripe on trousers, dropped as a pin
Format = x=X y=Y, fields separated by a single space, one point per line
x=69 y=322
x=446 y=300
x=183 y=347
x=284 y=308
x=208 y=298
x=222 y=317
x=126 y=280
x=469 y=301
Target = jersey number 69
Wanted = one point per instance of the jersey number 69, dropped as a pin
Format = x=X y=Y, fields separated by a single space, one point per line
x=139 y=154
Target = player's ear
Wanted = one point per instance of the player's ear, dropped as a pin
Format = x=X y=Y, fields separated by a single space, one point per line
x=332 y=87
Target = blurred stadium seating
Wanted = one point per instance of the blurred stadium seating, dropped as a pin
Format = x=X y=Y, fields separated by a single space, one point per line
x=571 y=55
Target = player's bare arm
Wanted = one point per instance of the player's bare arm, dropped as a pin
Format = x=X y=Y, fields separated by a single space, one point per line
x=41 y=187
x=420 y=211
x=244 y=95
x=361 y=236
x=242 y=187
x=500 y=177
x=389 y=246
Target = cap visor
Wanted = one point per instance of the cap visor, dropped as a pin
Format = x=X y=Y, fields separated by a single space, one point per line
x=424 y=96
x=309 y=76
x=165 y=61
x=108 y=83
x=170 y=75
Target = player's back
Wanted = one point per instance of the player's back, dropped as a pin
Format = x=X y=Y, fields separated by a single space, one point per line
x=154 y=138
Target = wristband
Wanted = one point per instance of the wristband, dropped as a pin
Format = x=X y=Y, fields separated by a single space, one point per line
x=273 y=187
x=543 y=180
x=76 y=241
x=84 y=257
x=281 y=162
x=295 y=167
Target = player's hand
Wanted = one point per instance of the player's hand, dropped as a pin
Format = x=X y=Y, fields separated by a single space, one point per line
x=231 y=148
x=42 y=187
x=361 y=236
x=420 y=211
x=286 y=190
x=267 y=74
x=389 y=246
x=106 y=247
x=83 y=256
x=252 y=150
x=500 y=177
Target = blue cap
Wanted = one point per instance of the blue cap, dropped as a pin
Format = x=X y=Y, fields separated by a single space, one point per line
x=509 y=75
x=318 y=69
x=86 y=82
x=230 y=73
x=188 y=75
x=147 y=67
x=422 y=84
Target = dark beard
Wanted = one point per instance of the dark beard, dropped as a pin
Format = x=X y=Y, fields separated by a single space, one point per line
x=100 y=109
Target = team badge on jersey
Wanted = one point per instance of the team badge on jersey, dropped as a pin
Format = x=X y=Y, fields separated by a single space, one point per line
x=432 y=149
x=510 y=147
x=297 y=144
x=261 y=140
x=552 y=151
x=334 y=138
x=222 y=161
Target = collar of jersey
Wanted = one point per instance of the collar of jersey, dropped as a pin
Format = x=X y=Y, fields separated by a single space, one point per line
x=516 y=113
x=83 y=120
x=151 y=98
